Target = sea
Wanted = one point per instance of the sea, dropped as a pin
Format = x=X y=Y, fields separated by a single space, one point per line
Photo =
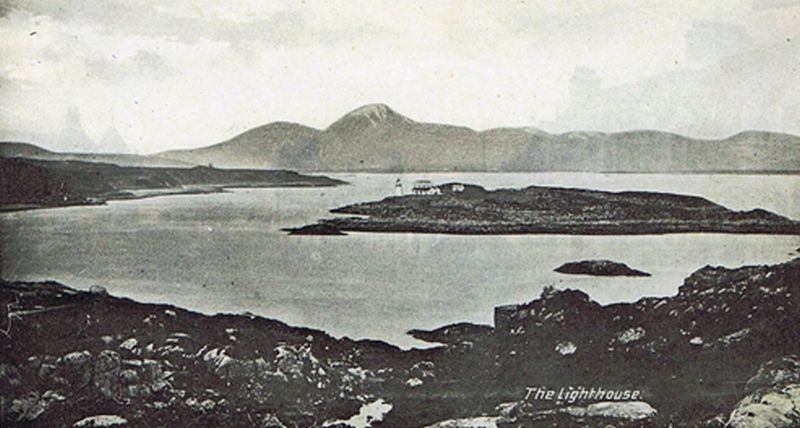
x=225 y=252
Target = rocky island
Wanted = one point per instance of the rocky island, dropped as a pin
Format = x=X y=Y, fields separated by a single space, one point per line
x=32 y=183
x=719 y=353
x=599 y=268
x=468 y=209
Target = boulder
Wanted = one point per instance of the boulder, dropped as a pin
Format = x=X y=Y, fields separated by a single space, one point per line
x=107 y=373
x=628 y=410
x=101 y=421
x=774 y=397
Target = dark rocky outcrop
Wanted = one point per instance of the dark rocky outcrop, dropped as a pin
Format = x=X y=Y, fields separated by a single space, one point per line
x=67 y=355
x=599 y=268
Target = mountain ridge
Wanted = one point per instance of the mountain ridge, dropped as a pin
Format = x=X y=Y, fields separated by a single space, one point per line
x=377 y=138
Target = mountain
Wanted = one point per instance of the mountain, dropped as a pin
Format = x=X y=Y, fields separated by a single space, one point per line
x=376 y=138
x=11 y=149
x=275 y=145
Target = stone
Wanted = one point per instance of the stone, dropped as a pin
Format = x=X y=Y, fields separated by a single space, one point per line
x=129 y=344
x=566 y=348
x=271 y=421
x=101 y=421
x=98 y=290
x=106 y=373
x=629 y=410
x=414 y=382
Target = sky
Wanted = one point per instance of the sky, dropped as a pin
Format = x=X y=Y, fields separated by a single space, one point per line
x=146 y=76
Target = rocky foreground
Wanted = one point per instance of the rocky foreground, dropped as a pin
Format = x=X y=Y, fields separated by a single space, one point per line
x=468 y=209
x=722 y=352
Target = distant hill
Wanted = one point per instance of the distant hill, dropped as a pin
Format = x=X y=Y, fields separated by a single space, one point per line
x=376 y=138
x=10 y=149
x=269 y=146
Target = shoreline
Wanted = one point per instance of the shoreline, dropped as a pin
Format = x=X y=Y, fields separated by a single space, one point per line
x=128 y=195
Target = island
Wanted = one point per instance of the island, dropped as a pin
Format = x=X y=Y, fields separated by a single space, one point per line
x=458 y=208
x=599 y=268
x=33 y=183
x=702 y=357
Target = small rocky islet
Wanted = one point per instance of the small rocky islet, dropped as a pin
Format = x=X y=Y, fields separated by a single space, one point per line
x=599 y=268
x=716 y=354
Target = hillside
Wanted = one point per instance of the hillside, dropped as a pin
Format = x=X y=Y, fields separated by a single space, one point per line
x=717 y=354
x=275 y=145
x=28 y=183
x=376 y=138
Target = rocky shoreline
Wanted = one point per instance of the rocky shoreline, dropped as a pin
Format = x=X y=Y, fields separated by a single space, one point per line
x=457 y=208
x=721 y=351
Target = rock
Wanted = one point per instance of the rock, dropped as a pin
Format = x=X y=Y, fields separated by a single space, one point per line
x=599 y=268
x=76 y=368
x=566 y=348
x=774 y=397
x=107 y=373
x=77 y=358
x=29 y=407
x=208 y=405
x=476 y=422
x=101 y=421
x=129 y=344
x=368 y=413
x=423 y=369
x=414 y=382
x=98 y=290
x=629 y=410
x=777 y=407
x=630 y=335
x=782 y=371
x=271 y=421
x=129 y=376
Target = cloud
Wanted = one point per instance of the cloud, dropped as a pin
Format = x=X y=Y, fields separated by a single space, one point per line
x=774 y=4
x=194 y=72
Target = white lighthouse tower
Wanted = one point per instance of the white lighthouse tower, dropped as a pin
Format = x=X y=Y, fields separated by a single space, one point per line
x=398 y=187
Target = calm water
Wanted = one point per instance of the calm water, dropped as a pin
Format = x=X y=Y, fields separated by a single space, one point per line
x=225 y=253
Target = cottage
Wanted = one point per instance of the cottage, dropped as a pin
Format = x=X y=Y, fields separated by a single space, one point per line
x=425 y=187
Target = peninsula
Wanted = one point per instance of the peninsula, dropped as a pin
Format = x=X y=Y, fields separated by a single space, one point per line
x=457 y=208
x=32 y=183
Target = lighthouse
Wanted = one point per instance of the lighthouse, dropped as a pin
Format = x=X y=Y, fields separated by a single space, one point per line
x=398 y=187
